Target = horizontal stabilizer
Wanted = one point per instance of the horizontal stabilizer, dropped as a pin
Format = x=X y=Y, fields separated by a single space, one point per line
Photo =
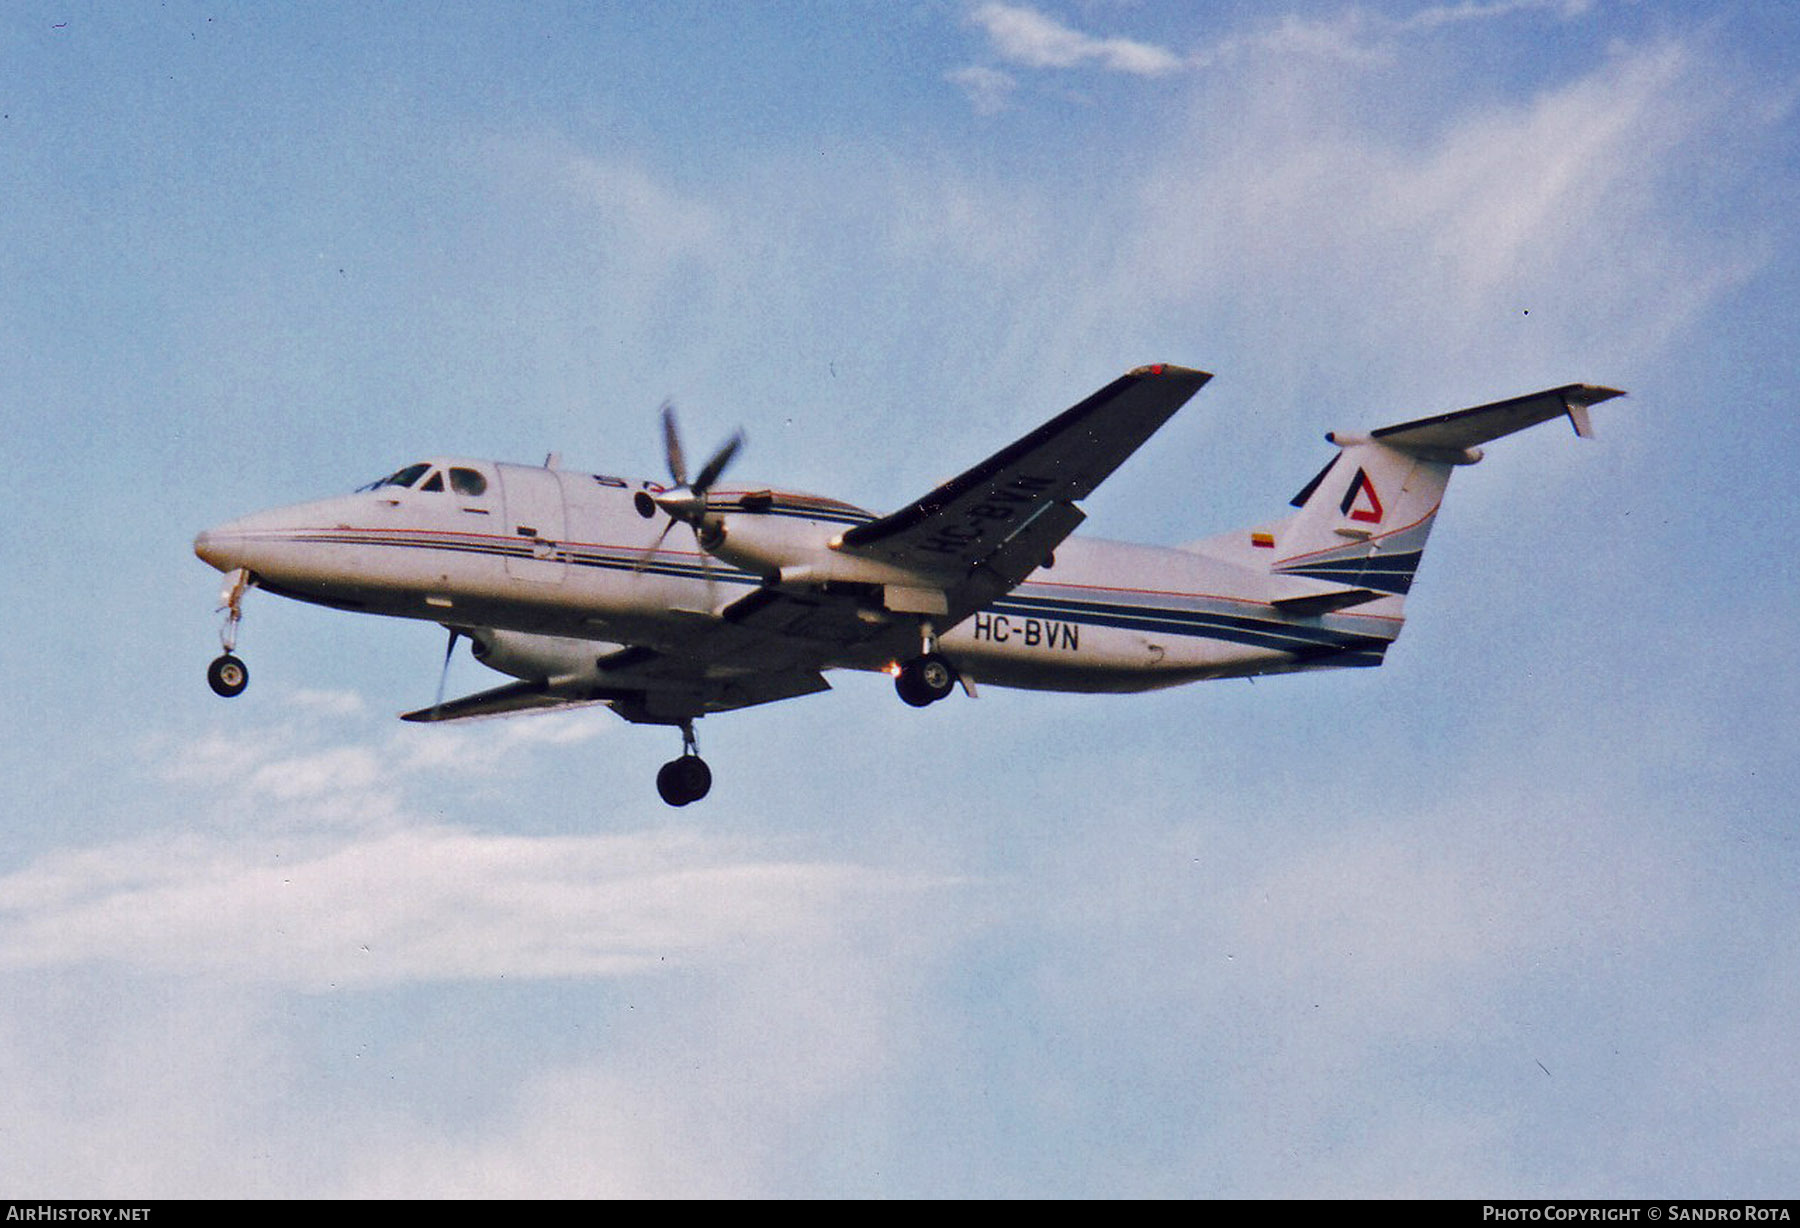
x=1469 y=428
x=1312 y=604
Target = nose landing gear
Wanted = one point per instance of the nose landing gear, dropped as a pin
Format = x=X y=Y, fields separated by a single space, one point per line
x=687 y=779
x=227 y=675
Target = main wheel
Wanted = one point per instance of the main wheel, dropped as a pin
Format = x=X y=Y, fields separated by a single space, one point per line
x=684 y=780
x=925 y=680
x=227 y=676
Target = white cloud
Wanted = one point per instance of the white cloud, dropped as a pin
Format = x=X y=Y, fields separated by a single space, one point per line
x=329 y=703
x=178 y=981
x=714 y=1088
x=1570 y=205
x=317 y=870
x=1474 y=10
x=1022 y=35
x=1344 y=38
x=300 y=776
x=306 y=860
x=1360 y=36
x=988 y=89
x=183 y=1020
x=418 y=904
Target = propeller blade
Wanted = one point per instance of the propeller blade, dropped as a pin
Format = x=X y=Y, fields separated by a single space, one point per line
x=672 y=445
x=686 y=501
x=444 y=676
x=643 y=560
x=716 y=465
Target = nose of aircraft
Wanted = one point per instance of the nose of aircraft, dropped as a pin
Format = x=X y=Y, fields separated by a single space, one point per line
x=246 y=541
x=270 y=539
x=214 y=545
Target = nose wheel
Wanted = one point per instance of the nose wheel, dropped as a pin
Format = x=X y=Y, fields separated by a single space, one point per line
x=687 y=779
x=227 y=676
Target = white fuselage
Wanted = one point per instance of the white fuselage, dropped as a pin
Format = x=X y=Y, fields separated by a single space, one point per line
x=589 y=564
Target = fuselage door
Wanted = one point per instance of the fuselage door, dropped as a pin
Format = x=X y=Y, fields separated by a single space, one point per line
x=534 y=523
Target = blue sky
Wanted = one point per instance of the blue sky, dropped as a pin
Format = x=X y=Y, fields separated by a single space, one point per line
x=1511 y=916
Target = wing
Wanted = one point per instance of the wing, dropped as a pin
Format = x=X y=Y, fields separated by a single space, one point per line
x=981 y=533
x=640 y=684
x=514 y=697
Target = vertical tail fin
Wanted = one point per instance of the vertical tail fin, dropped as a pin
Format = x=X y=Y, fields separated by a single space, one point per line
x=1363 y=521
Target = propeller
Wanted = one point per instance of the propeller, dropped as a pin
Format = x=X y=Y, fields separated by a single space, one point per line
x=686 y=501
x=449 y=650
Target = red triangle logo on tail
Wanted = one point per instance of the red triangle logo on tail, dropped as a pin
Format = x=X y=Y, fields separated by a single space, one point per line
x=1360 y=501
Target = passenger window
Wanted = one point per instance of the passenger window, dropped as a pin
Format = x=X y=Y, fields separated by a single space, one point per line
x=468 y=482
x=434 y=482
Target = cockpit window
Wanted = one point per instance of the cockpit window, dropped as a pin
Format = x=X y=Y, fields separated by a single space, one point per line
x=403 y=477
x=468 y=482
x=434 y=482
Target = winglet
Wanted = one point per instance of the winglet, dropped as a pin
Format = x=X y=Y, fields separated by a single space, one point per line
x=1578 y=417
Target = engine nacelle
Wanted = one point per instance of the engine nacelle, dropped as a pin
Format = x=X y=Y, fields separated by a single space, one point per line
x=798 y=551
x=523 y=655
x=766 y=544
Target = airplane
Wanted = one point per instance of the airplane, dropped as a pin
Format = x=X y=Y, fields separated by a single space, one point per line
x=670 y=602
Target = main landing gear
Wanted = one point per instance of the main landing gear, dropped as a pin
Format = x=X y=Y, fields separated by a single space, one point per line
x=925 y=679
x=227 y=675
x=928 y=677
x=687 y=779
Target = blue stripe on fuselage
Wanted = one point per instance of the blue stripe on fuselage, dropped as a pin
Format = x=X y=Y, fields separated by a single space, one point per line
x=1250 y=623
